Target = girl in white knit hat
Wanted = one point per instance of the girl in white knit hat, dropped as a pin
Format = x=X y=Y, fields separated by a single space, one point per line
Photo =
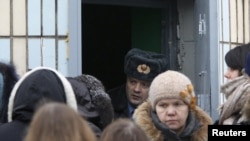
x=171 y=113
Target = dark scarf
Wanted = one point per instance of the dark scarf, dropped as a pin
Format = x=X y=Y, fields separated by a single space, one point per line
x=192 y=124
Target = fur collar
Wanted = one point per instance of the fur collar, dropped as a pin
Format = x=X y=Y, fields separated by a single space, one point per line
x=143 y=119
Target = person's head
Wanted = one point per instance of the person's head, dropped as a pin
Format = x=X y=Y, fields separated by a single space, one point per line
x=38 y=85
x=94 y=104
x=235 y=60
x=172 y=96
x=123 y=129
x=141 y=67
x=8 y=78
x=58 y=122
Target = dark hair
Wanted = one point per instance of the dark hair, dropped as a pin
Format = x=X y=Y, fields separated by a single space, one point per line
x=236 y=57
x=123 y=129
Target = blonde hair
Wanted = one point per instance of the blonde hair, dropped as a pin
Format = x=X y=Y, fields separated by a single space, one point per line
x=58 y=122
x=123 y=129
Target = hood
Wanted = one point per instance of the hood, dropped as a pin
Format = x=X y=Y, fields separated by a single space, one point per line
x=39 y=84
x=94 y=103
x=8 y=78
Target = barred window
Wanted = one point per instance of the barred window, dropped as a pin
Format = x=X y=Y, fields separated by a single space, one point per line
x=34 y=33
x=234 y=29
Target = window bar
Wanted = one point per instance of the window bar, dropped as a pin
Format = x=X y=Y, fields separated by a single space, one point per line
x=230 y=45
x=41 y=38
x=237 y=22
x=11 y=30
x=26 y=36
x=243 y=9
x=56 y=34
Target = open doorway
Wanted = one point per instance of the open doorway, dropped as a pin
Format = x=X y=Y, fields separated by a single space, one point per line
x=106 y=39
x=109 y=31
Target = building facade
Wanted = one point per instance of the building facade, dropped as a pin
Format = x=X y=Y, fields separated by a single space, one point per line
x=92 y=36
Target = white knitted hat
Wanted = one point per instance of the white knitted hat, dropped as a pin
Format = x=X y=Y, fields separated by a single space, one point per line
x=172 y=84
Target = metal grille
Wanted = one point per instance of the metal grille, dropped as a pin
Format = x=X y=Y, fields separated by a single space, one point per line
x=35 y=33
x=234 y=29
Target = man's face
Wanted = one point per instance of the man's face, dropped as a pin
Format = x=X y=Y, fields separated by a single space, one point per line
x=137 y=90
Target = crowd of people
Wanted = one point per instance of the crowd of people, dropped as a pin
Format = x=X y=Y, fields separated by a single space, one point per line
x=154 y=104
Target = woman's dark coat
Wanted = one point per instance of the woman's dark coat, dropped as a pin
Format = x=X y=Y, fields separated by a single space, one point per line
x=36 y=87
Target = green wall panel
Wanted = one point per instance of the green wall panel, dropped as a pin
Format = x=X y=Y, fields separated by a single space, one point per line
x=146 y=28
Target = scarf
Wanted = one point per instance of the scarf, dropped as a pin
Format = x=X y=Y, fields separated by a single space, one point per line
x=192 y=124
x=235 y=92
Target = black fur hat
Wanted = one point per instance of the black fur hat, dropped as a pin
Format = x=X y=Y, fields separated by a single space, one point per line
x=236 y=57
x=144 y=65
x=94 y=104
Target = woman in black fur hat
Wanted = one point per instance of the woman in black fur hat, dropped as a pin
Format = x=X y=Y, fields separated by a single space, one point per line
x=93 y=103
x=236 y=89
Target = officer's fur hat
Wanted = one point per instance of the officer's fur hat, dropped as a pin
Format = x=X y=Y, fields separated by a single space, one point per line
x=144 y=65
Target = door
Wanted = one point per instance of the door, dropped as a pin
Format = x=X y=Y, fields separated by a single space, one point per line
x=109 y=31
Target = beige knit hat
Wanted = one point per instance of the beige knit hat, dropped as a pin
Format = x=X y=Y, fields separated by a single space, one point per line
x=172 y=84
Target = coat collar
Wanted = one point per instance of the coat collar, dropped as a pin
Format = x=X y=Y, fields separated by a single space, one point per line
x=143 y=118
